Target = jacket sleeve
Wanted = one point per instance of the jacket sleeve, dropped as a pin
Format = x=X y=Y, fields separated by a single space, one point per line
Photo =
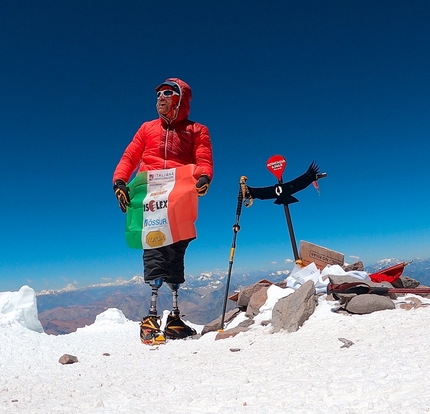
x=131 y=157
x=203 y=150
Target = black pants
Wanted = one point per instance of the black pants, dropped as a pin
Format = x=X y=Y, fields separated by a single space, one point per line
x=166 y=262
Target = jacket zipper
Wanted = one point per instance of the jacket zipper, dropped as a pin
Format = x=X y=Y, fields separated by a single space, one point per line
x=165 y=146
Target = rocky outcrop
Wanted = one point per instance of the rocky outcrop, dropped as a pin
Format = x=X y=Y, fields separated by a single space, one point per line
x=291 y=312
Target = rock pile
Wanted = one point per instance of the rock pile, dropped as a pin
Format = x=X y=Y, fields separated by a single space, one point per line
x=292 y=311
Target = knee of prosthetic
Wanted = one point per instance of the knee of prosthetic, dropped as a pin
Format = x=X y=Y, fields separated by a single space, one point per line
x=156 y=283
x=173 y=286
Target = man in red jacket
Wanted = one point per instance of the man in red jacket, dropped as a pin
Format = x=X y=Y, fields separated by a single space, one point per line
x=170 y=141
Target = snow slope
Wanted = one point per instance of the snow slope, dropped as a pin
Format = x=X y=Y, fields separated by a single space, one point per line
x=384 y=371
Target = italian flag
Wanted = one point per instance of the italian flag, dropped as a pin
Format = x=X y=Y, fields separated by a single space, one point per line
x=163 y=207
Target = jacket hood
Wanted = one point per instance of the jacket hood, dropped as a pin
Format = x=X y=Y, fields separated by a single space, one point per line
x=183 y=108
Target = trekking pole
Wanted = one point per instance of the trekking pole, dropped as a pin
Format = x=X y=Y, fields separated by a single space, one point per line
x=276 y=165
x=236 y=228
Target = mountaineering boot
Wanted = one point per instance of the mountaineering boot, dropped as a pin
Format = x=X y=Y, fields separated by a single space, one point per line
x=176 y=328
x=150 y=332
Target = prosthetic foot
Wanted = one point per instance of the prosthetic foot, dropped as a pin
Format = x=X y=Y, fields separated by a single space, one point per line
x=150 y=332
x=175 y=327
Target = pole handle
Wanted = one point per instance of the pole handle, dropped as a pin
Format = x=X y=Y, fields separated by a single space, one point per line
x=246 y=196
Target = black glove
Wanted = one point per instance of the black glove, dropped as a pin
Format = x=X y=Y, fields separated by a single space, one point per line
x=121 y=193
x=202 y=185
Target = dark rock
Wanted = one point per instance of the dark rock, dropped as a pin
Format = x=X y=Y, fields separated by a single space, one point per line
x=68 y=359
x=405 y=282
x=355 y=266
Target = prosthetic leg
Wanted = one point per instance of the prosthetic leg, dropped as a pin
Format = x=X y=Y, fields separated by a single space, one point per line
x=150 y=332
x=155 y=285
x=174 y=287
x=175 y=327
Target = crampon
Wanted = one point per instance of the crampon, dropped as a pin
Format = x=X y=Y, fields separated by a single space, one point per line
x=177 y=329
x=150 y=332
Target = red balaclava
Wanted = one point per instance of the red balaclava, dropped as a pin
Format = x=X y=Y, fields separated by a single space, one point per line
x=180 y=104
x=173 y=113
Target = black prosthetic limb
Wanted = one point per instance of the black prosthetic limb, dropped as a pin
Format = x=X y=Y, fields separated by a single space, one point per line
x=174 y=287
x=155 y=285
x=153 y=307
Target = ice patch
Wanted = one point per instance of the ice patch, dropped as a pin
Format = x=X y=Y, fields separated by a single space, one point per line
x=20 y=308
x=109 y=317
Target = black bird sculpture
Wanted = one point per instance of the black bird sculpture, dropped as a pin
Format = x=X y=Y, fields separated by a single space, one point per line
x=282 y=192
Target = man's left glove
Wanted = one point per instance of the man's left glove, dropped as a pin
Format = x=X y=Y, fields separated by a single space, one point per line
x=121 y=193
x=202 y=185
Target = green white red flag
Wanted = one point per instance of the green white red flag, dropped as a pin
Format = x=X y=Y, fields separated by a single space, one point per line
x=163 y=207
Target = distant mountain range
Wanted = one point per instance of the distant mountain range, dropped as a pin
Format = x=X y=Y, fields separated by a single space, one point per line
x=200 y=298
x=419 y=269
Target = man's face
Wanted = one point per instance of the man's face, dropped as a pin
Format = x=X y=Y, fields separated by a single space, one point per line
x=164 y=103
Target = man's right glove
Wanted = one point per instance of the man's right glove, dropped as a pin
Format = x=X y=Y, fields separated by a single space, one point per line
x=202 y=185
x=121 y=193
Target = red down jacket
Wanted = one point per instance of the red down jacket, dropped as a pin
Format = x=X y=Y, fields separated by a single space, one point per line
x=159 y=144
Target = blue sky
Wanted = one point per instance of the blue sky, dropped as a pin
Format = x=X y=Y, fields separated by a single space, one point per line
x=345 y=83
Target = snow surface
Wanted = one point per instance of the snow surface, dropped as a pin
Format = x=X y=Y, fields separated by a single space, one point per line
x=308 y=371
